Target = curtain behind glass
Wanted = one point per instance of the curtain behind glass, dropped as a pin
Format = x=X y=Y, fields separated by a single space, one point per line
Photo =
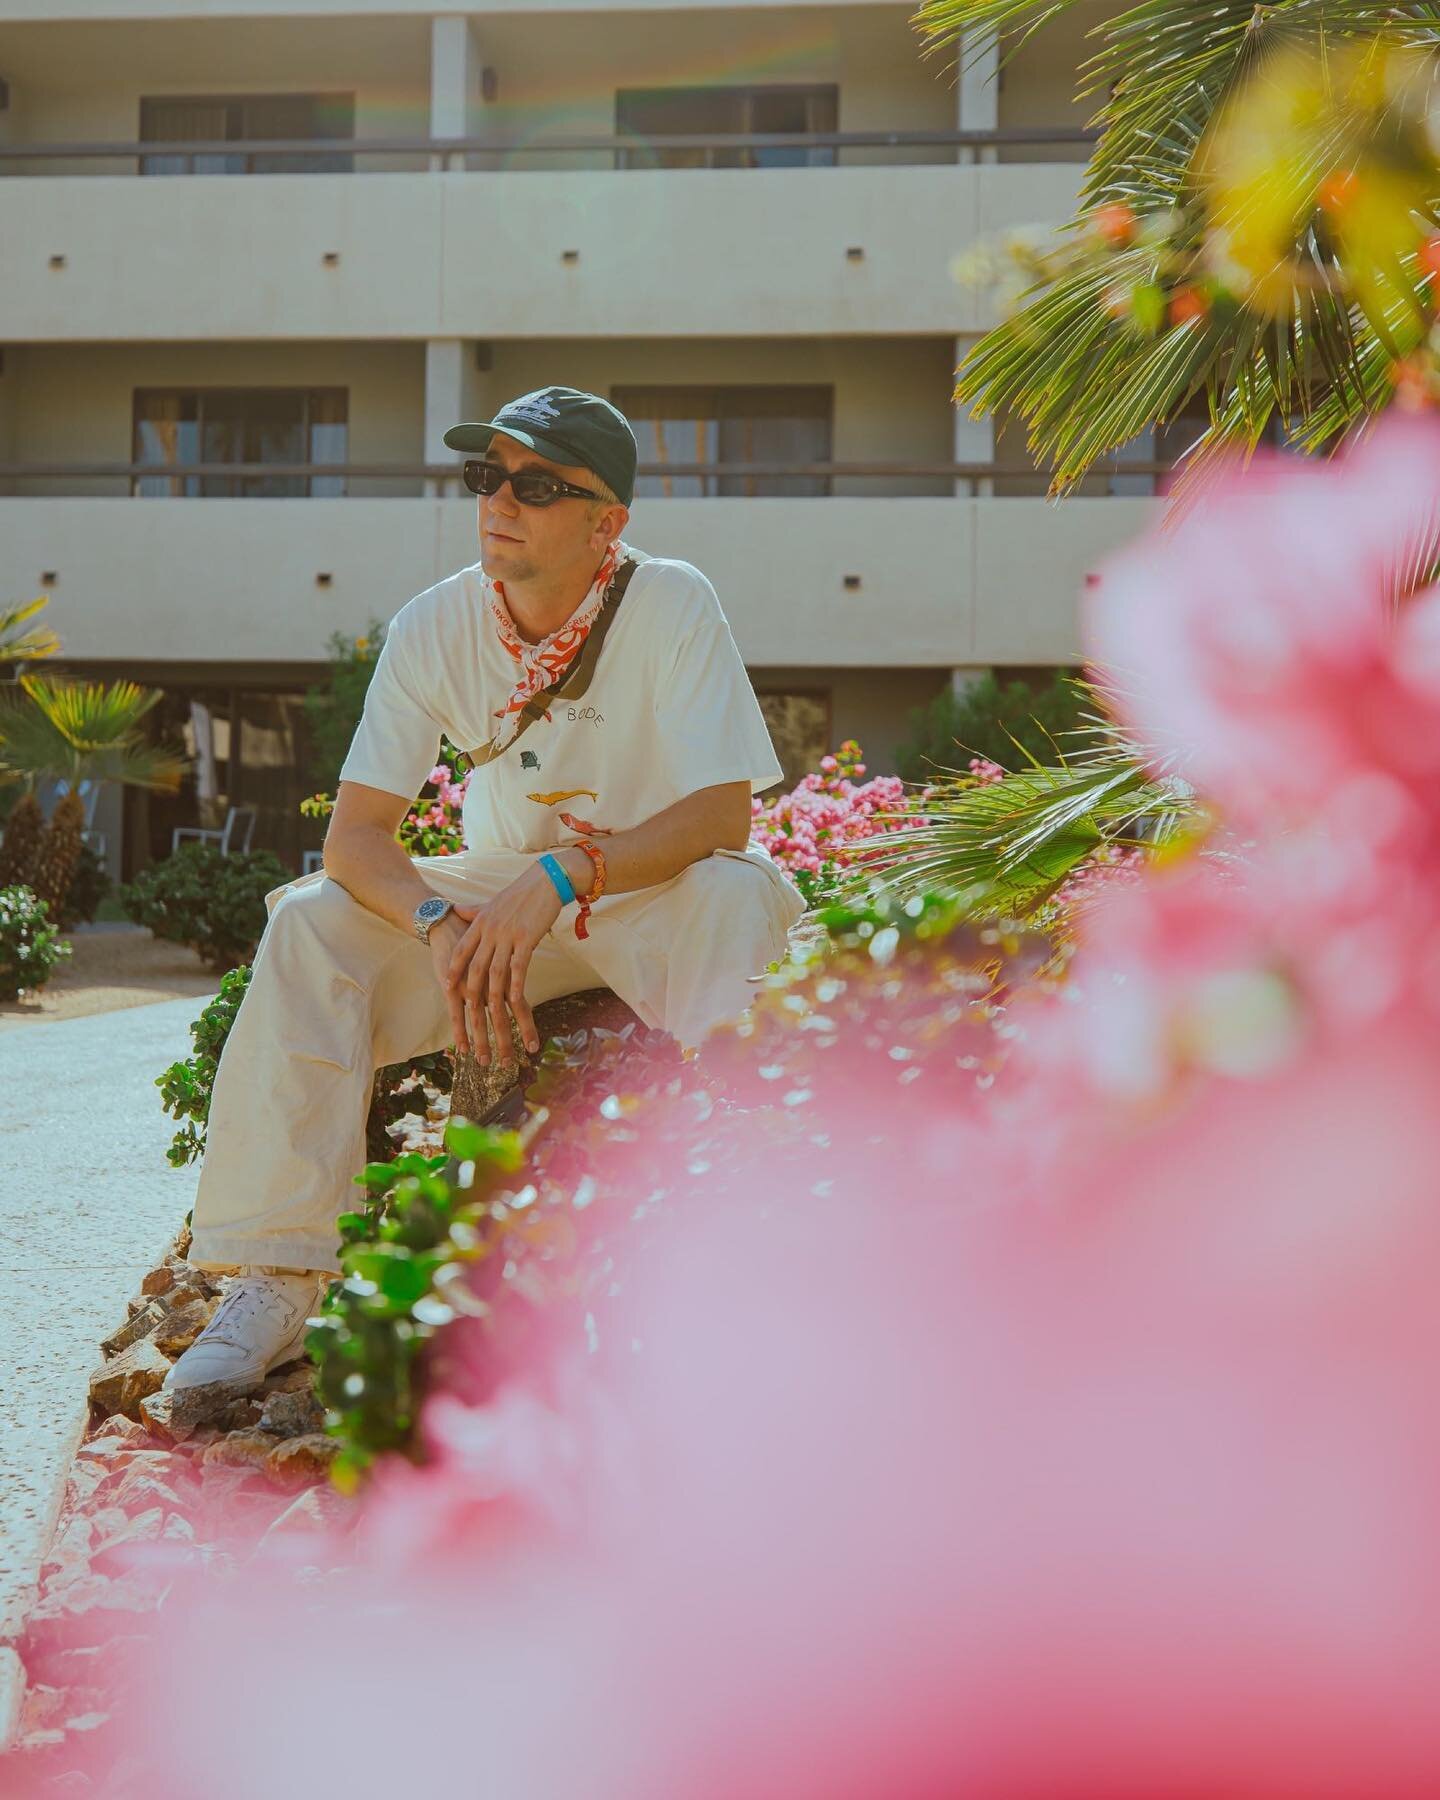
x=242 y=117
x=715 y=111
x=730 y=424
x=167 y=430
x=243 y=425
x=187 y=121
x=329 y=439
x=299 y=116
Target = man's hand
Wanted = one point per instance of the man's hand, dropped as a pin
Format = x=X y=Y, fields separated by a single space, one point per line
x=481 y=955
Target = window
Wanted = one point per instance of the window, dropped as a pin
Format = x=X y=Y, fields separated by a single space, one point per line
x=729 y=424
x=240 y=425
x=238 y=117
x=1169 y=443
x=715 y=111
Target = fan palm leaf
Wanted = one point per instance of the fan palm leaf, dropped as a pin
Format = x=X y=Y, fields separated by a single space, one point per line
x=20 y=641
x=1086 y=383
x=1006 y=846
x=74 y=730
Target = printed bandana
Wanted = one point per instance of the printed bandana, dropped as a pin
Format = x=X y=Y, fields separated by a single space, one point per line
x=541 y=663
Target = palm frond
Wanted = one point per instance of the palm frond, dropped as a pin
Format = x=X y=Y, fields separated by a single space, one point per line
x=21 y=642
x=31 y=746
x=70 y=730
x=1006 y=847
x=91 y=715
x=1086 y=382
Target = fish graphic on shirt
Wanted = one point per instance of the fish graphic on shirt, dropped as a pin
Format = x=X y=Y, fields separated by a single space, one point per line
x=562 y=794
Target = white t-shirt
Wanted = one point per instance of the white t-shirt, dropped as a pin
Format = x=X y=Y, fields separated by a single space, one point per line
x=670 y=709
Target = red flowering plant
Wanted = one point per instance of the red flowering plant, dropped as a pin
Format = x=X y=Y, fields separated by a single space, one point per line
x=833 y=821
x=432 y=827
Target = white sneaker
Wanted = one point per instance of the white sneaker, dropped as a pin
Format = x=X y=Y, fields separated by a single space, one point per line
x=260 y=1323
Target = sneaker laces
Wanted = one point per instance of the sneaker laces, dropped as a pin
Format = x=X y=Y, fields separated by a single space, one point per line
x=250 y=1296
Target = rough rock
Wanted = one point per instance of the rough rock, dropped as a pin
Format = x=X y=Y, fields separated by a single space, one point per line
x=69 y=1554
x=108 y=1449
x=155 y=1415
x=85 y=1611
x=319 y=1511
x=480 y=1092
x=181 y=1325
x=292 y=1414
x=291 y=1379
x=240 y=1450
x=303 y=1459
x=145 y=1528
x=129 y=1431
x=138 y=1489
x=159 y=1281
x=105 y=1665
x=241 y=1415
x=119 y=1386
x=177 y=1413
x=142 y=1322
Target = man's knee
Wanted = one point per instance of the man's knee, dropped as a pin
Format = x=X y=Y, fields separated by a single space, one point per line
x=740 y=897
x=309 y=910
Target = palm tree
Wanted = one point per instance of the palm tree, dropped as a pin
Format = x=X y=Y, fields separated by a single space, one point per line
x=1255 y=232
x=71 y=731
x=1254 y=228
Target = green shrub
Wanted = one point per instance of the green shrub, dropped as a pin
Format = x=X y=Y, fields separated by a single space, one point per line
x=333 y=711
x=986 y=719
x=185 y=1087
x=89 y=885
x=30 y=946
x=403 y=1260
x=214 y=903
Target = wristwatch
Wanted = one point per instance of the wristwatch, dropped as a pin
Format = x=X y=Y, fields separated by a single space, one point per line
x=430 y=912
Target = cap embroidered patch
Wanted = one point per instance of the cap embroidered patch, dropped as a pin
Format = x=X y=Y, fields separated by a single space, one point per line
x=535 y=408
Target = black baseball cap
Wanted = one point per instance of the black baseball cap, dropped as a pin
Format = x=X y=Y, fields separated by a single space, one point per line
x=567 y=426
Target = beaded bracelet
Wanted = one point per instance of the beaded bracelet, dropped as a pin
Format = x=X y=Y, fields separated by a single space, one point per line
x=597 y=856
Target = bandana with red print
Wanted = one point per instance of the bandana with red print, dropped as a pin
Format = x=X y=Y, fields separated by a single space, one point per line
x=540 y=663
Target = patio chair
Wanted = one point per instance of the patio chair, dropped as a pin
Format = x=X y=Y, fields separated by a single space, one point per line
x=239 y=824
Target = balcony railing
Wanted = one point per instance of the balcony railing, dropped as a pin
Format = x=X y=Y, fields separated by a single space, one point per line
x=454 y=152
x=977 y=477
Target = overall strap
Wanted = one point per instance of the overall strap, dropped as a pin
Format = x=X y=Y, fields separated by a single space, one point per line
x=572 y=681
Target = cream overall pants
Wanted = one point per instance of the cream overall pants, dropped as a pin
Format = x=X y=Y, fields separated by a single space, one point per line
x=337 y=992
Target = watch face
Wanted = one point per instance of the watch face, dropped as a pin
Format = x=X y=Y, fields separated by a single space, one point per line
x=430 y=910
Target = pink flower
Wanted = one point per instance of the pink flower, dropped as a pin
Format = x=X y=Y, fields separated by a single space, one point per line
x=1255 y=645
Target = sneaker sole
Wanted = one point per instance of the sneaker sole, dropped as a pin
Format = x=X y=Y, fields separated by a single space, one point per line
x=292 y=1350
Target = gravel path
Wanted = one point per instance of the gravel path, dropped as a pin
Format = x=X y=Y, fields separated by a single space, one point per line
x=87 y=1204
x=111 y=966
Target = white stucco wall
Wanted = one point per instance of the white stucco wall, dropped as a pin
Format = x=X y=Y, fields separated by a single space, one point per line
x=942 y=582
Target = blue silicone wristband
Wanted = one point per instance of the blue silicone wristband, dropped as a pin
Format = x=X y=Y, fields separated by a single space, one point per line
x=564 y=887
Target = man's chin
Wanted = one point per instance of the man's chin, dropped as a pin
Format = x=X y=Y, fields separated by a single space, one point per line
x=501 y=559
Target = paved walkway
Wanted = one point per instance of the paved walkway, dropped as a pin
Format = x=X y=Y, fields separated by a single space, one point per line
x=87 y=1204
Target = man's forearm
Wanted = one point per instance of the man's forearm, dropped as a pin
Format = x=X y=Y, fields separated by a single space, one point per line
x=375 y=869
x=658 y=849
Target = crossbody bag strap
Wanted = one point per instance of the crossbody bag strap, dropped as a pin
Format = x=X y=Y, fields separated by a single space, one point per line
x=574 y=680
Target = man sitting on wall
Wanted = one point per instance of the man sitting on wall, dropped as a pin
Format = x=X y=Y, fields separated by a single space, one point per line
x=616 y=741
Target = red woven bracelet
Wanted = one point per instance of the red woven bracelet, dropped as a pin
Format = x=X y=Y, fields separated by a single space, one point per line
x=582 y=901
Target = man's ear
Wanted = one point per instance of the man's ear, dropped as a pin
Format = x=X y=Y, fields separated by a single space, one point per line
x=611 y=524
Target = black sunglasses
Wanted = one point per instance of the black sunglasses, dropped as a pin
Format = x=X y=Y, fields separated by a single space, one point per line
x=529 y=487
